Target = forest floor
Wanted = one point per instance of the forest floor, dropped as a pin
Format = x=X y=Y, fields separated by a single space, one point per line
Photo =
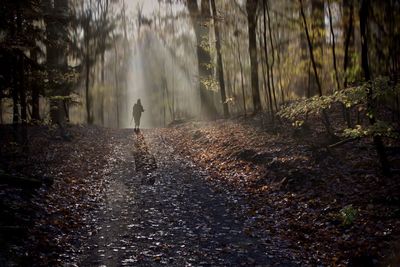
x=219 y=193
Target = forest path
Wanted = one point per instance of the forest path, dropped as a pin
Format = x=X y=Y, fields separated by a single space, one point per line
x=159 y=210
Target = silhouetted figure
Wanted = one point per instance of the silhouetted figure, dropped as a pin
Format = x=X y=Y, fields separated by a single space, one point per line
x=137 y=113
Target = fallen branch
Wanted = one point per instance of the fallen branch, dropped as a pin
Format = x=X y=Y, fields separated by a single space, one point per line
x=342 y=142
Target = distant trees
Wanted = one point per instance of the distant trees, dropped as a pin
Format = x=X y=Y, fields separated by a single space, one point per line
x=371 y=88
x=56 y=18
x=93 y=20
x=42 y=46
x=278 y=48
x=33 y=58
x=297 y=49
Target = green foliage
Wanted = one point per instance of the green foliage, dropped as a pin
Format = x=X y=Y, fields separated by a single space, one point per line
x=350 y=97
x=205 y=44
x=305 y=107
x=210 y=83
x=298 y=124
x=208 y=66
x=354 y=72
x=380 y=128
x=348 y=215
x=59 y=79
x=72 y=99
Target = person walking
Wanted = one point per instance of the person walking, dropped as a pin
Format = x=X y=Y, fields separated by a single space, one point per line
x=137 y=113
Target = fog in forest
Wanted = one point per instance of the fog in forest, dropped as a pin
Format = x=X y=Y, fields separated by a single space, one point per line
x=164 y=78
x=268 y=133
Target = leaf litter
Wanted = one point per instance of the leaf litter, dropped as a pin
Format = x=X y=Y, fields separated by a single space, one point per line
x=219 y=193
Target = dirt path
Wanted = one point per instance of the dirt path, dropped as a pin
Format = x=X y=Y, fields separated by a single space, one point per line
x=159 y=210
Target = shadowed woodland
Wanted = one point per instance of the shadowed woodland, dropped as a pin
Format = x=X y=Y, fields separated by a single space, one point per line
x=269 y=133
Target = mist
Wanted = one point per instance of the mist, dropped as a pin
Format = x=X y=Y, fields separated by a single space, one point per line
x=166 y=89
x=148 y=64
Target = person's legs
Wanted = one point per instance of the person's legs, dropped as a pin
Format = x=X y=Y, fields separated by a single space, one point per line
x=136 y=122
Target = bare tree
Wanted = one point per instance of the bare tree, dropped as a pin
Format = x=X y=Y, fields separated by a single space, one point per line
x=371 y=103
x=251 y=8
x=314 y=65
x=220 y=69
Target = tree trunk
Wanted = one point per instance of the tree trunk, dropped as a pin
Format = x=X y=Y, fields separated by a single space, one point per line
x=314 y=65
x=251 y=7
x=200 y=22
x=87 y=36
x=317 y=37
x=371 y=103
x=87 y=90
x=310 y=49
x=348 y=8
x=56 y=21
x=23 y=103
x=266 y=7
x=220 y=69
x=22 y=91
x=116 y=80
x=15 y=97
x=102 y=108
x=1 y=108
x=242 y=79
x=102 y=74
x=35 y=93
x=278 y=54
x=262 y=63
x=267 y=61
x=241 y=71
x=333 y=47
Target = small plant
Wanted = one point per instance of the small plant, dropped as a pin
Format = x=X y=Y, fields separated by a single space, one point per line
x=196 y=135
x=348 y=215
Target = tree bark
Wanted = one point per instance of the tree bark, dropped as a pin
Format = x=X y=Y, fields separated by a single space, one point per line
x=263 y=72
x=102 y=71
x=310 y=49
x=251 y=7
x=267 y=61
x=56 y=19
x=278 y=54
x=333 y=47
x=220 y=69
x=317 y=35
x=200 y=21
x=266 y=7
x=22 y=100
x=314 y=65
x=348 y=7
x=241 y=72
x=371 y=103
x=35 y=93
x=87 y=87
x=116 y=81
x=87 y=36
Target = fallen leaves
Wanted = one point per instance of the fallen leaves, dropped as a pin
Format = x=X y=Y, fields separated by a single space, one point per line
x=306 y=191
x=145 y=201
x=58 y=215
